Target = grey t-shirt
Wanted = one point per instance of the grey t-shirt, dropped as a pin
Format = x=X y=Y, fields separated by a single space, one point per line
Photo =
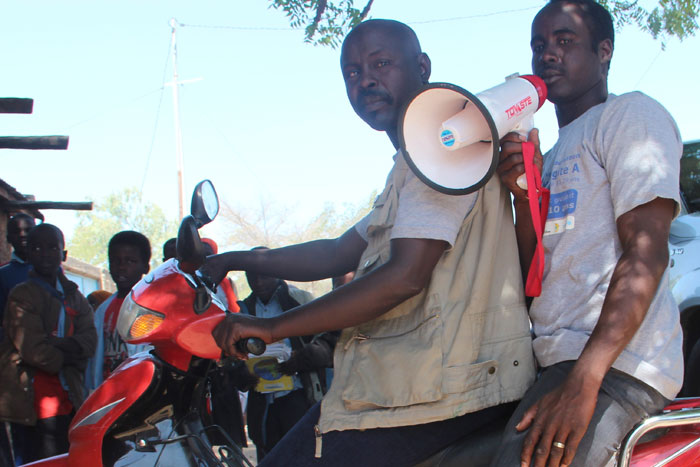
x=424 y=212
x=618 y=155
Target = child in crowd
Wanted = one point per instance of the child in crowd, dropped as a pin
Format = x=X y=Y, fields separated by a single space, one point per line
x=169 y=249
x=17 y=270
x=129 y=254
x=49 y=338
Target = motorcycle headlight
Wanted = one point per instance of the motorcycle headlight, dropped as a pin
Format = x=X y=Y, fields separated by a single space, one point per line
x=135 y=321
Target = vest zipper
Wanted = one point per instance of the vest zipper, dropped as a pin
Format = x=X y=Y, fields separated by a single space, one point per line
x=359 y=337
x=317 y=433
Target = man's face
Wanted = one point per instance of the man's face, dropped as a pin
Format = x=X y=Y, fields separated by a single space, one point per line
x=45 y=253
x=380 y=72
x=126 y=266
x=17 y=233
x=262 y=286
x=563 y=55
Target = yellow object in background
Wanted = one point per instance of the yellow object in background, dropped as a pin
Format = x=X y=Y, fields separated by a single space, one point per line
x=267 y=369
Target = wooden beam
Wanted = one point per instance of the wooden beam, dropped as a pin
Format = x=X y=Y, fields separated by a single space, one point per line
x=74 y=206
x=33 y=142
x=16 y=105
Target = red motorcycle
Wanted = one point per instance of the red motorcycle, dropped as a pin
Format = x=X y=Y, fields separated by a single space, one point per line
x=153 y=410
x=155 y=407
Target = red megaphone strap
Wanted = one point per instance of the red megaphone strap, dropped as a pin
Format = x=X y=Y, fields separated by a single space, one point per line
x=538 y=200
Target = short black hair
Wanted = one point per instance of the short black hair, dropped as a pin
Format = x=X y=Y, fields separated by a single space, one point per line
x=598 y=20
x=132 y=238
x=12 y=221
x=31 y=236
x=168 y=243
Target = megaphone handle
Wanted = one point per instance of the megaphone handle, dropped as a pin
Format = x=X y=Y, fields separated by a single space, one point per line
x=538 y=199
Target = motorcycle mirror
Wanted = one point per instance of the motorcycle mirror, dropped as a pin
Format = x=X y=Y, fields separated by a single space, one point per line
x=190 y=249
x=205 y=203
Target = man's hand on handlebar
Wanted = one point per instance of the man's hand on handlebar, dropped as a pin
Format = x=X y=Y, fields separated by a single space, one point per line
x=236 y=327
x=214 y=268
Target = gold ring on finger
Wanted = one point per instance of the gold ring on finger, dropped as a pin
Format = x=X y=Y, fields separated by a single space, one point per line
x=559 y=445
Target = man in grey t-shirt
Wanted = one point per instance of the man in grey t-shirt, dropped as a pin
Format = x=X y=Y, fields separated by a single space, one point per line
x=607 y=331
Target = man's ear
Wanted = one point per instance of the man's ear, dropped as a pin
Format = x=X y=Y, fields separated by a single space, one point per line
x=424 y=64
x=605 y=52
x=146 y=268
x=65 y=256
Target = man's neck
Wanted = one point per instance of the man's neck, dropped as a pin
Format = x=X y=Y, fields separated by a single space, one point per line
x=265 y=300
x=394 y=138
x=569 y=111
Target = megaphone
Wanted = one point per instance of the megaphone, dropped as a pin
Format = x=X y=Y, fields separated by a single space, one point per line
x=450 y=137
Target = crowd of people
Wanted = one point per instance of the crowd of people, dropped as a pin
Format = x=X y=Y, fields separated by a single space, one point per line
x=435 y=338
x=58 y=346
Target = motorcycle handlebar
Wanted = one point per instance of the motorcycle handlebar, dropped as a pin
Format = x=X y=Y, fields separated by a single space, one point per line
x=252 y=345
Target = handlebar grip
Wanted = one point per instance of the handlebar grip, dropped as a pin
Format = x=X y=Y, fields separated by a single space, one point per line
x=253 y=345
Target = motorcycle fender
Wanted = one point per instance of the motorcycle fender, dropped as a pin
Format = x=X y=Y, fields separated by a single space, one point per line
x=105 y=405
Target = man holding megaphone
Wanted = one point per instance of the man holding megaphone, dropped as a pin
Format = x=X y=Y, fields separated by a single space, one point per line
x=607 y=331
x=436 y=339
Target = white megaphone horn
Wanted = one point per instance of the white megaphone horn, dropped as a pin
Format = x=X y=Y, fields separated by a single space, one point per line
x=450 y=137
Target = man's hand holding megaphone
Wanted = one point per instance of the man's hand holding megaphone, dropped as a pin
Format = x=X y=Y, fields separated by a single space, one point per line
x=511 y=166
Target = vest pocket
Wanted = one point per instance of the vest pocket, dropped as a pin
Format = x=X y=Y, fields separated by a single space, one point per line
x=464 y=378
x=381 y=377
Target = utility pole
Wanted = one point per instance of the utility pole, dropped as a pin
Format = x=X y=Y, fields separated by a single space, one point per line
x=175 y=83
x=178 y=132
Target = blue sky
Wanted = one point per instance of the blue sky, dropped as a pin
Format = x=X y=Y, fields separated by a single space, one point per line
x=269 y=119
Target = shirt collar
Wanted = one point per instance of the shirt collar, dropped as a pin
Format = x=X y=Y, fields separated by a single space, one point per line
x=16 y=259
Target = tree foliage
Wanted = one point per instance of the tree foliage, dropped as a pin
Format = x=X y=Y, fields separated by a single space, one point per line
x=124 y=210
x=270 y=224
x=326 y=22
x=670 y=18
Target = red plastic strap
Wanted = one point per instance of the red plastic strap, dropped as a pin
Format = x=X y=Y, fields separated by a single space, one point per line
x=538 y=199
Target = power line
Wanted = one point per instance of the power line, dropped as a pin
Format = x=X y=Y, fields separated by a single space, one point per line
x=438 y=20
x=636 y=86
x=238 y=28
x=155 y=125
x=483 y=15
x=111 y=109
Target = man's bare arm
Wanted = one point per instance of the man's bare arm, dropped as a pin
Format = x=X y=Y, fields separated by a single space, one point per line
x=405 y=274
x=315 y=260
x=564 y=414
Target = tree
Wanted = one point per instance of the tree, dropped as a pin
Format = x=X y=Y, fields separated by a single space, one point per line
x=271 y=225
x=124 y=210
x=668 y=19
x=326 y=22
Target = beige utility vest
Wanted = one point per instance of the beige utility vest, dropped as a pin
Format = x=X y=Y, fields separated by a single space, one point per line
x=463 y=344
